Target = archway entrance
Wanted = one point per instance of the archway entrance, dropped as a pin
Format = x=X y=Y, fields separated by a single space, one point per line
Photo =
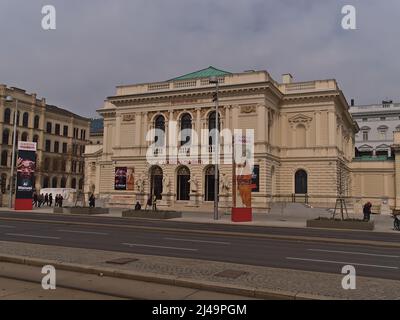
x=183 y=185
x=209 y=184
x=156 y=177
x=301 y=183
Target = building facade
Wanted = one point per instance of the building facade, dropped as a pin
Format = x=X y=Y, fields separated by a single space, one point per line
x=304 y=140
x=60 y=135
x=377 y=123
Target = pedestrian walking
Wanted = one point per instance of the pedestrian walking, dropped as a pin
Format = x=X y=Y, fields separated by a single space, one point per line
x=367 y=211
x=46 y=199
x=50 y=199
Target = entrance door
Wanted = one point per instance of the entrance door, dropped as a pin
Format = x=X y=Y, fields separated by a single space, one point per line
x=209 y=191
x=301 y=186
x=156 y=182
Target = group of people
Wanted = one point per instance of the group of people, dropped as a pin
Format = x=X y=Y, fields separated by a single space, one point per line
x=47 y=200
x=151 y=203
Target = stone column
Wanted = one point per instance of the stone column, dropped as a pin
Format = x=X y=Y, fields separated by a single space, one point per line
x=260 y=134
x=318 y=128
x=331 y=129
x=118 y=131
x=138 y=124
x=396 y=148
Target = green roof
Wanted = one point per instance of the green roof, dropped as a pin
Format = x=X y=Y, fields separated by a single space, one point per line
x=204 y=73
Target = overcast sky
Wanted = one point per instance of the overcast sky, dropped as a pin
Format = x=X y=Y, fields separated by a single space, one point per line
x=99 y=44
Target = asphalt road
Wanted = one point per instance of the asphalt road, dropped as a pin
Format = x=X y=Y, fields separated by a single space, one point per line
x=175 y=239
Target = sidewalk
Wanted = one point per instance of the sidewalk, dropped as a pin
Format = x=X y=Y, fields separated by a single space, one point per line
x=253 y=281
x=287 y=220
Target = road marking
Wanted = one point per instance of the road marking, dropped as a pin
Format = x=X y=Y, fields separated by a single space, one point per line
x=160 y=247
x=201 y=241
x=84 y=232
x=356 y=253
x=343 y=263
x=30 y=236
x=8 y=227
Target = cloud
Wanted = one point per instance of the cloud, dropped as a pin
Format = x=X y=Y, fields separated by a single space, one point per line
x=99 y=44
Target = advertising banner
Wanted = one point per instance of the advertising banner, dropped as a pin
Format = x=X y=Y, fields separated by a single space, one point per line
x=120 y=178
x=244 y=177
x=26 y=164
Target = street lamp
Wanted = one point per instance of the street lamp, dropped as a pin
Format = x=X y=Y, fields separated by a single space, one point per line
x=214 y=80
x=10 y=99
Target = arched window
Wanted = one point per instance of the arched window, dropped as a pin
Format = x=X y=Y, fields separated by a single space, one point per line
x=46 y=182
x=7 y=116
x=301 y=182
x=156 y=182
x=54 y=182
x=73 y=183
x=209 y=183
x=24 y=136
x=159 y=125
x=186 y=128
x=6 y=136
x=25 y=120
x=211 y=127
x=3 y=183
x=301 y=132
x=4 y=158
x=36 y=122
x=63 y=182
x=183 y=185
x=36 y=138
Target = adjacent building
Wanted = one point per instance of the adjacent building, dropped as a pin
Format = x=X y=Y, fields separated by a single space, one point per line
x=304 y=140
x=377 y=123
x=60 y=135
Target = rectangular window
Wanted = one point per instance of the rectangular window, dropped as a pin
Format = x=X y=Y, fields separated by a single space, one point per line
x=57 y=129
x=56 y=146
x=65 y=131
x=48 y=127
x=255 y=179
x=365 y=136
x=48 y=146
x=65 y=148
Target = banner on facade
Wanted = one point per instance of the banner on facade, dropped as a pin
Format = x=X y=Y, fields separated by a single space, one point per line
x=120 y=178
x=130 y=179
x=243 y=175
x=26 y=164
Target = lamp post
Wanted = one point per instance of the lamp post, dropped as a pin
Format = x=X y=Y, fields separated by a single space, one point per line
x=214 y=80
x=10 y=99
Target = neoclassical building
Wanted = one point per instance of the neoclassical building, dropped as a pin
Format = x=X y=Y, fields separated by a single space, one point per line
x=304 y=139
x=60 y=135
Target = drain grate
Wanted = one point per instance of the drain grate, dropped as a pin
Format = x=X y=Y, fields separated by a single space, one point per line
x=231 y=274
x=121 y=261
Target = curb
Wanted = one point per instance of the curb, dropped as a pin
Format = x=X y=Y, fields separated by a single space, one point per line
x=164 y=279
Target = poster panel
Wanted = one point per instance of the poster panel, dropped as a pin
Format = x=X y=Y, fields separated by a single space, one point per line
x=26 y=164
x=130 y=180
x=120 y=178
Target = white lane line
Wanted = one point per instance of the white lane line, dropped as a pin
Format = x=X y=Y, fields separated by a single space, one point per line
x=356 y=253
x=84 y=232
x=160 y=247
x=29 y=236
x=201 y=241
x=343 y=263
x=8 y=227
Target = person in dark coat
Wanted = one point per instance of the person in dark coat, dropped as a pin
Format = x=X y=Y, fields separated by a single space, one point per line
x=60 y=199
x=367 y=211
x=46 y=199
x=57 y=200
x=35 y=199
x=50 y=199
x=138 y=207
x=92 y=200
